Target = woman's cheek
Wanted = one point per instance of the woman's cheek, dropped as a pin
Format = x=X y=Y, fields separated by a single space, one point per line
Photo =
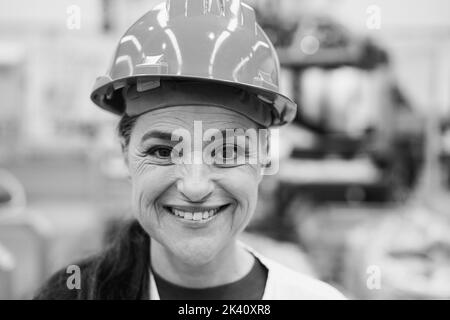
x=148 y=183
x=243 y=184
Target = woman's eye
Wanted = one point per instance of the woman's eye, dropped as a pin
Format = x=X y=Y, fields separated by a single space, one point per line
x=229 y=155
x=160 y=152
x=226 y=152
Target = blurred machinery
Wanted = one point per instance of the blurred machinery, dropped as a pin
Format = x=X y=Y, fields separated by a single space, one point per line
x=366 y=140
x=36 y=240
x=356 y=138
x=279 y=28
x=23 y=242
x=7 y=265
x=12 y=87
x=403 y=256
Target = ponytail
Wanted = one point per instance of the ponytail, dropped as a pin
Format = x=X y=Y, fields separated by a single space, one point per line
x=122 y=270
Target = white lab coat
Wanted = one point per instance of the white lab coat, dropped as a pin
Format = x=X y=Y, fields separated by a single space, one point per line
x=282 y=284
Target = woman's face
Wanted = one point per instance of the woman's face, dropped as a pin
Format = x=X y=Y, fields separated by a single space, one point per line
x=193 y=209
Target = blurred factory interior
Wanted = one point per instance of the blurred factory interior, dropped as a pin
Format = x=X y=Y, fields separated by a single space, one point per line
x=362 y=197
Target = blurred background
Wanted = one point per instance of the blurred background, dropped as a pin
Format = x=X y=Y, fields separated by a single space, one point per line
x=362 y=197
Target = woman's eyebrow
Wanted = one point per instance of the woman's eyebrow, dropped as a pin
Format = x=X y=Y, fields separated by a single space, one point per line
x=234 y=132
x=163 y=135
x=166 y=135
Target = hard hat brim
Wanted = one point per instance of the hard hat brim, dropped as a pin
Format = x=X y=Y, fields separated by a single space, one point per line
x=107 y=94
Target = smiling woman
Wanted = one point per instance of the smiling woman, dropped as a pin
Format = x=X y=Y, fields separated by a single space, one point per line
x=192 y=118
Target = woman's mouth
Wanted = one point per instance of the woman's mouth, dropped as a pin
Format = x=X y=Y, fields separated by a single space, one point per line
x=197 y=214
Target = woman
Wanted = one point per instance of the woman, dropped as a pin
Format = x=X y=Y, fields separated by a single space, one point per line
x=196 y=84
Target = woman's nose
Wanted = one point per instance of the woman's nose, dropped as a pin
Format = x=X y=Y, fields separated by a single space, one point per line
x=195 y=184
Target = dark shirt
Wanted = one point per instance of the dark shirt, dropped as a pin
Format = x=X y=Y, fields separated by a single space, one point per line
x=250 y=287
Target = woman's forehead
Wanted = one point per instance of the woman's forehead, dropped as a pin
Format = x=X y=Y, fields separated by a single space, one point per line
x=188 y=117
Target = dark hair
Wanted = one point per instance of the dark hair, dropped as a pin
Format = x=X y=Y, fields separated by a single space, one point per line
x=121 y=270
x=124 y=128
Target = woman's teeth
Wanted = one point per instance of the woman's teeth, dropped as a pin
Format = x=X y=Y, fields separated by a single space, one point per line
x=196 y=216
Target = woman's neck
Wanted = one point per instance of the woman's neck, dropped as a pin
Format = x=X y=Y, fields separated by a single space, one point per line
x=229 y=265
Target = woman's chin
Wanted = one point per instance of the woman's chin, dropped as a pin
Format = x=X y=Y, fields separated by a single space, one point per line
x=196 y=252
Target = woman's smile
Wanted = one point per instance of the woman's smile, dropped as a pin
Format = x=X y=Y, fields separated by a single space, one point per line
x=196 y=215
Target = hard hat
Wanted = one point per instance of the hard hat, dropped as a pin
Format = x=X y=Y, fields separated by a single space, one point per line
x=214 y=41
